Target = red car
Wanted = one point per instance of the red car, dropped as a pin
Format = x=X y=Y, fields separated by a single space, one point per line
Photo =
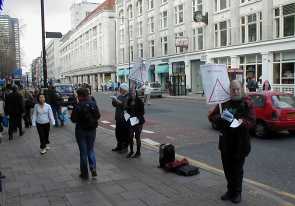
x=275 y=111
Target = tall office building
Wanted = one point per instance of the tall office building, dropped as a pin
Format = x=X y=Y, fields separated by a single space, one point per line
x=9 y=45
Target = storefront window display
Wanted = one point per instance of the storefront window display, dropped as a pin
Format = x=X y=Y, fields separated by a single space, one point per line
x=284 y=68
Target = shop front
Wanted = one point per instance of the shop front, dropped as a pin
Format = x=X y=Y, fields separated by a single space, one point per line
x=178 y=79
x=162 y=72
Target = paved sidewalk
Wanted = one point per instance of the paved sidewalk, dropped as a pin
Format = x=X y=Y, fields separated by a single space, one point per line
x=52 y=179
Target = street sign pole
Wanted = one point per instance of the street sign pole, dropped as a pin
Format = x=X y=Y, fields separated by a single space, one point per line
x=43 y=46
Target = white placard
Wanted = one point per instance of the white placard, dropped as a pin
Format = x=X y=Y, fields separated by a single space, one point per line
x=215 y=83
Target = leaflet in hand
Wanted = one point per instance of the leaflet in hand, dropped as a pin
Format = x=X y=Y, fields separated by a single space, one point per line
x=226 y=115
x=134 y=121
x=126 y=116
x=236 y=123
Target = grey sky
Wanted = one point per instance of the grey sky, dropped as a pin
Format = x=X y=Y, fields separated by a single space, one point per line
x=57 y=18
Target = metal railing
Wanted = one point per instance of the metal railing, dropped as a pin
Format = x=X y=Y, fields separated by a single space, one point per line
x=286 y=88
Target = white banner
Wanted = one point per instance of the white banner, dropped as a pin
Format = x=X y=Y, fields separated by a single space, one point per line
x=139 y=72
x=215 y=83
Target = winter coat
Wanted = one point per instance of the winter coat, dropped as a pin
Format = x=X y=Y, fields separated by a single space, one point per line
x=14 y=104
x=136 y=109
x=235 y=141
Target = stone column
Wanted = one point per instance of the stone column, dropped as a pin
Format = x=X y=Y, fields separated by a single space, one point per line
x=267 y=20
x=188 y=74
x=267 y=67
x=235 y=22
x=209 y=29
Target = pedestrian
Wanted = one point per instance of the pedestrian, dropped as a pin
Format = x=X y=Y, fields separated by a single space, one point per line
x=29 y=104
x=122 y=129
x=234 y=141
x=14 y=108
x=135 y=108
x=169 y=87
x=54 y=100
x=266 y=86
x=147 y=93
x=42 y=117
x=1 y=116
x=252 y=84
x=86 y=115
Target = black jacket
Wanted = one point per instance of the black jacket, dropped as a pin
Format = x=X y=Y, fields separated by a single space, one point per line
x=120 y=107
x=236 y=141
x=136 y=109
x=14 y=104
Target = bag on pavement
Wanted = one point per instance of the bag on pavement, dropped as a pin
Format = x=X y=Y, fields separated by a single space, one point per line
x=187 y=170
x=172 y=166
x=166 y=154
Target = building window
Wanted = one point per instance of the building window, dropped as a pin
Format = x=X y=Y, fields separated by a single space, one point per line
x=94 y=32
x=164 y=1
x=252 y=66
x=130 y=12
x=151 y=25
x=222 y=33
x=121 y=17
x=131 y=53
x=139 y=31
x=178 y=10
x=163 y=19
x=164 y=45
x=122 y=57
x=284 y=68
x=130 y=31
x=198 y=39
x=284 y=21
x=251 y=28
x=121 y=36
x=179 y=36
x=140 y=50
x=197 y=6
x=152 y=48
x=151 y=4
x=139 y=7
x=220 y=5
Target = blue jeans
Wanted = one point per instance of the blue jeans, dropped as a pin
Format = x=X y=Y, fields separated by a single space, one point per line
x=56 y=110
x=85 y=140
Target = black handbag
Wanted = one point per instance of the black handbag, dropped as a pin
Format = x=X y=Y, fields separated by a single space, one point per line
x=187 y=170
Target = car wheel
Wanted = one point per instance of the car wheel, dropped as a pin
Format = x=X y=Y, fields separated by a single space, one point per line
x=291 y=132
x=261 y=130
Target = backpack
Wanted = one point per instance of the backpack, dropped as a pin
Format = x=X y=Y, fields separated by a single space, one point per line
x=166 y=154
x=88 y=116
x=187 y=170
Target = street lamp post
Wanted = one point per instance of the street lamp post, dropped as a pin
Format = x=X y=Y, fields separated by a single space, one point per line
x=43 y=46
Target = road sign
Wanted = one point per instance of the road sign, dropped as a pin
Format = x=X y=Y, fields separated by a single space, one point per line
x=54 y=35
x=215 y=83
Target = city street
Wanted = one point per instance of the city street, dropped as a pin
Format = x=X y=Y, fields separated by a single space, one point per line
x=184 y=123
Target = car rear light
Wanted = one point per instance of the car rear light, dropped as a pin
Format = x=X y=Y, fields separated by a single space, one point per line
x=274 y=115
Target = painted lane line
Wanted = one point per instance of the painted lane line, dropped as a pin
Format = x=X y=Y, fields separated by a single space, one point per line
x=105 y=122
x=112 y=125
x=148 y=131
x=150 y=142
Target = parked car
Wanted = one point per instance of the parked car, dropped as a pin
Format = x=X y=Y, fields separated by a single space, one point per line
x=67 y=93
x=275 y=111
x=155 y=87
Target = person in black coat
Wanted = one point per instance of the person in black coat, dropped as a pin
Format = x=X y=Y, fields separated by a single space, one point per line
x=135 y=108
x=234 y=142
x=14 y=107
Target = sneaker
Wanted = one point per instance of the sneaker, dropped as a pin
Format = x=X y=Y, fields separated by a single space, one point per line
x=43 y=151
x=47 y=147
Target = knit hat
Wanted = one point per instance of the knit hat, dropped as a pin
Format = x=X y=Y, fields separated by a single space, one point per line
x=124 y=86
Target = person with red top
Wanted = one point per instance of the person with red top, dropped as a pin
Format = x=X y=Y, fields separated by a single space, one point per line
x=237 y=118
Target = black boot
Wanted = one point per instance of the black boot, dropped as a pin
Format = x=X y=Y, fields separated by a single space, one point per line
x=129 y=154
x=226 y=196
x=137 y=154
x=237 y=198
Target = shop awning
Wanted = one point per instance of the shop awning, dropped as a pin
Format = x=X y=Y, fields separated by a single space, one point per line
x=123 y=72
x=162 y=68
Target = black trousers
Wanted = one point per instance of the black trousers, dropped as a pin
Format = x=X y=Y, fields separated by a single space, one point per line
x=15 y=121
x=135 y=132
x=122 y=135
x=233 y=170
x=43 y=131
x=27 y=117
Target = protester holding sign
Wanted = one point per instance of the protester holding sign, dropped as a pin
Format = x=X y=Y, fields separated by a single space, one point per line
x=237 y=118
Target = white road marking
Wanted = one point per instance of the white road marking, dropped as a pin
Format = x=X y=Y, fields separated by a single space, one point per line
x=150 y=142
x=171 y=138
x=112 y=125
x=105 y=122
x=148 y=131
